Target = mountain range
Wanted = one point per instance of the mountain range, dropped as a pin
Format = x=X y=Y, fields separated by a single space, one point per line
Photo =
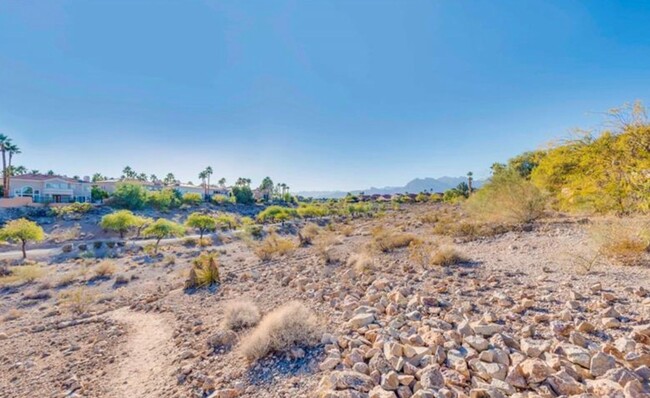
x=414 y=186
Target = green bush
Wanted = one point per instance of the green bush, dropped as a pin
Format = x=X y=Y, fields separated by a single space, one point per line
x=312 y=210
x=243 y=195
x=227 y=221
x=164 y=199
x=192 y=198
x=203 y=222
x=276 y=214
x=74 y=208
x=221 y=199
x=129 y=196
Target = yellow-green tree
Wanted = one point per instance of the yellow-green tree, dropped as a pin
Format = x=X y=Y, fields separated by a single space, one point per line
x=161 y=229
x=203 y=222
x=120 y=221
x=23 y=231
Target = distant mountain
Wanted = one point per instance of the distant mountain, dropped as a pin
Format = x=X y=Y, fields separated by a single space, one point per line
x=414 y=186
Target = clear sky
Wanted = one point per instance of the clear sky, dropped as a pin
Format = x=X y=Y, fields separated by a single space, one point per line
x=317 y=94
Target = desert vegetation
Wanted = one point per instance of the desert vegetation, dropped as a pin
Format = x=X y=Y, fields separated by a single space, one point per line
x=530 y=284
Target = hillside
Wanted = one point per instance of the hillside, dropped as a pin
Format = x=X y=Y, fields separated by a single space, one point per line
x=414 y=186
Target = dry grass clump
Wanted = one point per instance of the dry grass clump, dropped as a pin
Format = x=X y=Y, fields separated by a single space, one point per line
x=308 y=233
x=22 y=274
x=446 y=256
x=105 y=269
x=78 y=300
x=272 y=246
x=626 y=242
x=12 y=315
x=386 y=241
x=66 y=279
x=240 y=314
x=291 y=325
x=324 y=246
x=64 y=234
x=362 y=263
x=204 y=272
x=346 y=230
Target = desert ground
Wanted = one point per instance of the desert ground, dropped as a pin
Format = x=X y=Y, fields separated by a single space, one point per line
x=394 y=306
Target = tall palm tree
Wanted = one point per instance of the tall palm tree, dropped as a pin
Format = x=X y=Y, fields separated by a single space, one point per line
x=203 y=175
x=222 y=182
x=4 y=140
x=153 y=178
x=11 y=149
x=208 y=172
x=470 y=178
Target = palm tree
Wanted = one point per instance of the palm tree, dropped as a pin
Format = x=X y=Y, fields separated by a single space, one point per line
x=12 y=149
x=50 y=172
x=34 y=171
x=222 y=182
x=469 y=181
x=142 y=177
x=170 y=179
x=17 y=170
x=98 y=177
x=208 y=173
x=4 y=140
x=128 y=173
x=203 y=175
x=153 y=178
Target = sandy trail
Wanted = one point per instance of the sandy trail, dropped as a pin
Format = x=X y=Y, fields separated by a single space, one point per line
x=145 y=369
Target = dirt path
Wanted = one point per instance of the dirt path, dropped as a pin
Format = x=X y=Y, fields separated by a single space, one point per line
x=144 y=371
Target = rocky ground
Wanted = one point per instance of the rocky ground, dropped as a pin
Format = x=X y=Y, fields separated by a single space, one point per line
x=519 y=317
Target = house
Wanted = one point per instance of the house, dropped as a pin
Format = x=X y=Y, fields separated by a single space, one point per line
x=44 y=188
x=111 y=185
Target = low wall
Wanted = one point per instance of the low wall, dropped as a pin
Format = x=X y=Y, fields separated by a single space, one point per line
x=15 y=202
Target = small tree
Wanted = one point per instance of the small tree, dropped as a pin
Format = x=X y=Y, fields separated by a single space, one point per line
x=120 y=221
x=243 y=194
x=22 y=230
x=202 y=222
x=161 y=229
x=97 y=194
x=130 y=196
x=139 y=223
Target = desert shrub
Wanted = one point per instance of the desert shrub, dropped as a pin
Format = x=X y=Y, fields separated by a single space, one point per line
x=446 y=256
x=22 y=274
x=456 y=195
x=312 y=211
x=204 y=272
x=361 y=263
x=250 y=228
x=190 y=241
x=226 y=221
x=308 y=233
x=243 y=195
x=66 y=279
x=626 y=242
x=509 y=198
x=192 y=198
x=203 y=222
x=105 y=269
x=273 y=245
x=324 y=246
x=23 y=231
x=97 y=194
x=386 y=240
x=129 y=196
x=220 y=199
x=276 y=214
x=77 y=300
x=346 y=229
x=421 y=253
x=74 y=208
x=240 y=314
x=286 y=327
x=164 y=199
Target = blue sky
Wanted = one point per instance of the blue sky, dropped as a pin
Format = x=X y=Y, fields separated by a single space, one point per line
x=317 y=94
